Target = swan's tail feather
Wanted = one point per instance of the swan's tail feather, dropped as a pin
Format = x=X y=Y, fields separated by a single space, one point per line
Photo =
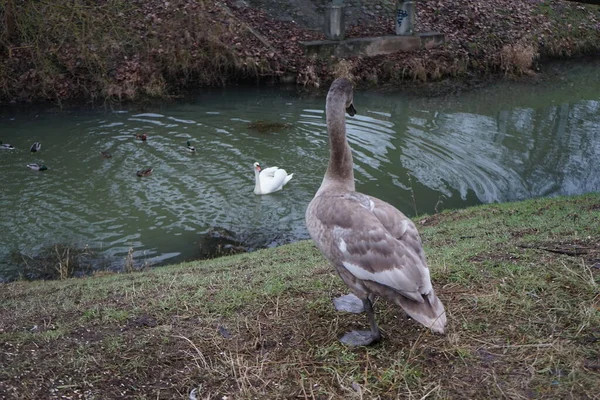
x=288 y=178
x=430 y=313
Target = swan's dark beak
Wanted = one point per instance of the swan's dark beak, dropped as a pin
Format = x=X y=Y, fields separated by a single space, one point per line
x=351 y=110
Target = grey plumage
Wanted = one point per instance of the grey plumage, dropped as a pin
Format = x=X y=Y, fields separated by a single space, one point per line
x=374 y=247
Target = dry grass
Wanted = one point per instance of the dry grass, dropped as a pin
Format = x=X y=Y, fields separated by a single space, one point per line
x=129 y=262
x=66 y=260
x=112 y=49
x=343 y=69
x=418 y=71
x=55 y=261
x=135 y=50
x=308 y=77
x=524 y=319
x=574 y=29
x=517 y=59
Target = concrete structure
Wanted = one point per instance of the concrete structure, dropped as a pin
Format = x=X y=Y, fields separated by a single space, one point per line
x=407 y=39
x=372 y=46
x=335 y=26
x=405 y=17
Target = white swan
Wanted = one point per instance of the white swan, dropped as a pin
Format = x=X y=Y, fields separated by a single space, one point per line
x=375 y=249
x=270 y=179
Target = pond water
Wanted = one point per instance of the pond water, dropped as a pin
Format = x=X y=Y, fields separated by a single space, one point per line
x=507 y=142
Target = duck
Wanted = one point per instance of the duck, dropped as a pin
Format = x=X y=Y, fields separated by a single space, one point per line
x=375 y=249
x=141 y=136
x=37 y=146
x=145 y=172
x=6 y=146
x=190 y=147
x=106 y=154
x=37 y=167
x=269 y=180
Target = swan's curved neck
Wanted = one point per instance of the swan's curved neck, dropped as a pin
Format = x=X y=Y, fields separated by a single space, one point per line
x=340 y=168
x=257 y=181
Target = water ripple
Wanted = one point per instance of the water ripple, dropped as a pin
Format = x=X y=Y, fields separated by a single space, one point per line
x=466 y=156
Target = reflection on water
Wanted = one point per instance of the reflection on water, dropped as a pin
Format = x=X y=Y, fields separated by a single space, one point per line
x=486 y=146
x=515 y=154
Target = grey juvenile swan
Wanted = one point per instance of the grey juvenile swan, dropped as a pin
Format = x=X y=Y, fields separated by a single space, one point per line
x=375 y=249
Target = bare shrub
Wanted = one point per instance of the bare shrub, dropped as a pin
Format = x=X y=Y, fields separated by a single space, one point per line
x=56 y=261
x=129 y=265
x=83 y=49
x=343 y=69
x=517 y=59
x=418 y=70
x=308 y=77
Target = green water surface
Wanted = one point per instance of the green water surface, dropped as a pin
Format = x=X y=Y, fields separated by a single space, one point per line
x=507 y=142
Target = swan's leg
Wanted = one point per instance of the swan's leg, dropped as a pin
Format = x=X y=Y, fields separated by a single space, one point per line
x=349 y=303
x=364 y=338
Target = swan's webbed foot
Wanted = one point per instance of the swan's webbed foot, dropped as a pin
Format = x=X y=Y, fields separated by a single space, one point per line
x=360 y=338
x=349 y=303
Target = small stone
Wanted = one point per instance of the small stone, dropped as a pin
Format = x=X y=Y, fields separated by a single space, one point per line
x=224 y=332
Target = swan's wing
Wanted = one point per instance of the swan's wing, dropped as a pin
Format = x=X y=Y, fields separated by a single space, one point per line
x=270 y=184
x=288 y=178
x=368 y=250
x=398 y=224
x=268 y=171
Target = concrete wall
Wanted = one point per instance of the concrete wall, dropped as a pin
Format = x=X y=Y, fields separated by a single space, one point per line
x=372 y=46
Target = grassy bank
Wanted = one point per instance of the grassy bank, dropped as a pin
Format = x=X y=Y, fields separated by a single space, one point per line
x=520 y=282
x=138 y=49
x=113 y=49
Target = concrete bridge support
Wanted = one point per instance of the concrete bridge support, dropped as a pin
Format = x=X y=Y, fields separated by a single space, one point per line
x=335 y=26
x=405 y=17
x=406 y=38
